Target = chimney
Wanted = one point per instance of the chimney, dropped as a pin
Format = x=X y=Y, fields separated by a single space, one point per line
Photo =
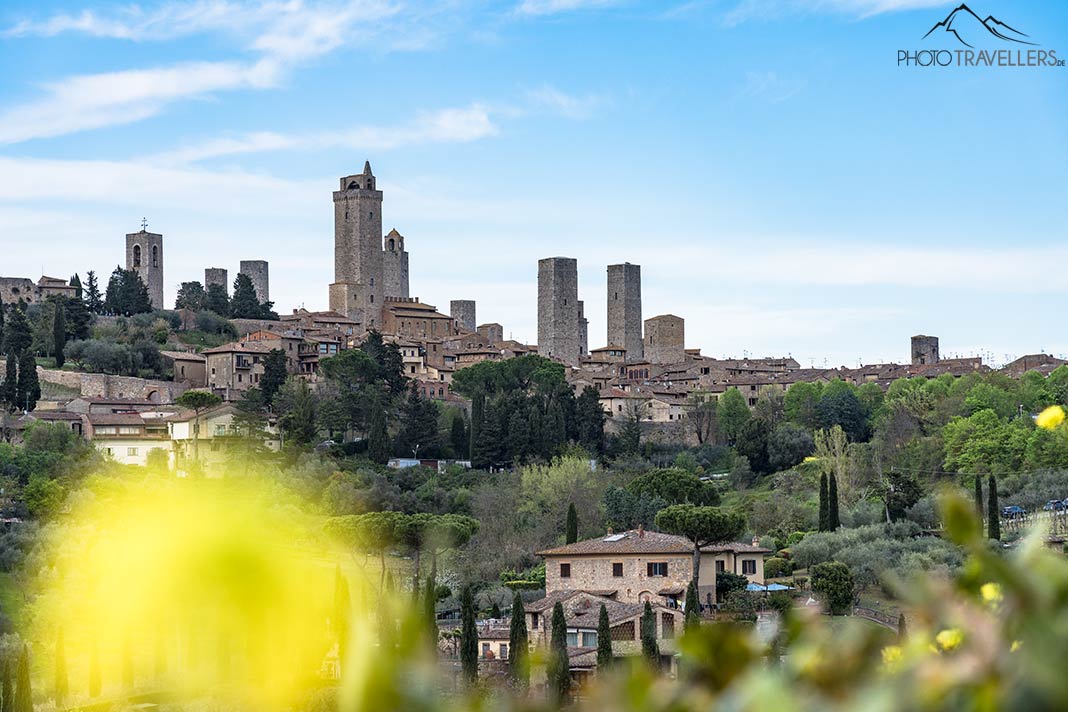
x=641 y=531
x=756 y=541
x=610 y=532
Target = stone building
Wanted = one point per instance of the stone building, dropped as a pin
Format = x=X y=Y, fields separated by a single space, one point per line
x=12 y=289
x=924 y=350
x=409 y=318
x=234 y=368
x=583 y=330
x=664 y=339
x=217 y=275
x=257 y=271
x=558 y=309
x=357 y=288
x=144 y=255
x=394 y=265
x=493 y=333
x=625 y=309
x=463 y=311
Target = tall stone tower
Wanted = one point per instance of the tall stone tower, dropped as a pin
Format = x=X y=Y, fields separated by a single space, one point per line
x=665 y=339
x=463 y=311
x=257 y=271
x=216 y=275
x=625 y=309
x=924 y=350
x=144 y=255
x=558 y=309
x=394 y=265
x=357 y=288
x=583 y=330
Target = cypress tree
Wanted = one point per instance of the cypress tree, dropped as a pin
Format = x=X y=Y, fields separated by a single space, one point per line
x=23 y=694
x=825 y=512
x=650 y=650
x=902 y=628
x=17 y=334
x=7 y=702
x=559 y=665
x=62 y=686
x=29 y=387
x=979 y=496
x=832 y=505
x=94 y=668
x=495 y=612
x=2 y=310
x=604 y=640
x=9 y=391
x=518 y=647
x=468 y=636
x=461 y=445
x=275 y=372
x=378 y=438
x=59 y=331
x=430 y=599
x=992 y=513
x=693 y=606
x=245 y=304
x=217 y=300
x=478 y=409
x=572 y=524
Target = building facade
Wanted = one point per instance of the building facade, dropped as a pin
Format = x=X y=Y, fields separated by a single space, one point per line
x=625 y=309
x=665 y=339
x=558 y=309
x=144 y=255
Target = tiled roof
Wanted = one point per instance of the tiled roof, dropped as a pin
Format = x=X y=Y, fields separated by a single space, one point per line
x=240 y=347
x=631 y=542
x=115 y=419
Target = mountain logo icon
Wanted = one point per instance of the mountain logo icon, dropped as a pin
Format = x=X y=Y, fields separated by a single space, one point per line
x=966 y=26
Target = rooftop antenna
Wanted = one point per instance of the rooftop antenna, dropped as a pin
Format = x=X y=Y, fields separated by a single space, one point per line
x=144 y=224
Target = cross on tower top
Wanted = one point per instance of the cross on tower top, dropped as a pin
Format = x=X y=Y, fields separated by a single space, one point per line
x=144 y=224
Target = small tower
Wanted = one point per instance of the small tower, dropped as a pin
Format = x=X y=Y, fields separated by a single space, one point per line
x=665 y=339
x=257 y=271
x=216 y=275
x=394 y=265
x=357 y=289
x=463 y=311
x=924 y=350
x=144 y=255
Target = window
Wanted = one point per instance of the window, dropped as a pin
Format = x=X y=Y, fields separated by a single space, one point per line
x=656 y=568
x=749 y=567
x=155 y=256
x=572 y=638
x=534 y=621
x=504 y=651
x=131 y=452
x=137 y=256
x=565 y=570
x=720 y=566
x=485 y=650
x=617 y=569
x=129 y=430
x=589 y=639
x=220 y=430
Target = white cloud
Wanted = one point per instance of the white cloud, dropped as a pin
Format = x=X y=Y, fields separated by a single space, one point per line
x=748 y=10
x=771 y=87
x=553 y=7
x=573 y=107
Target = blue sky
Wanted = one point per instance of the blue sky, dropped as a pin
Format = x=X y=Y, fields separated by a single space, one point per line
x=786 y=187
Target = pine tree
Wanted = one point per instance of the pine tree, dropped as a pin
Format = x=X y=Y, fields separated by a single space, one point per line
x=604 y=640
x=93 y=300
x=17 y=334
x=825 y=511
x=419 y=425
x=217 y=300
x=29 y=387
x=559 y=664
x=518 y=646
x=487 y=448
x=59 y=330
x=378 y=437
x=979 y=496
x=693 y=606
x=7 y=701
x=992 y=513
x=650 y=650
x=62 y=685
x=191 y=295
x=94 y=666
x=342 y=609
x=572 y=524
x=23 y=693
x=77 y=318
x=833 y=522
x=245 y=304
x=468 y=636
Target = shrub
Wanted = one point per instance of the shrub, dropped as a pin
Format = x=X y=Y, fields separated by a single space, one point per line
x=833 y=581
x=776 y=567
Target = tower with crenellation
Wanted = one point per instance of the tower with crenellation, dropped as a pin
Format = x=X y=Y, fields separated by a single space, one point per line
x=357 y=289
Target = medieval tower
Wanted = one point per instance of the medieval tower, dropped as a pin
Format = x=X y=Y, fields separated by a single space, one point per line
x=394 y=265
x=924 y=350
x=357 y=290
x=625 y=309
x=463 y=311
x=144 y=255
x=558 y=309
x=216 y=275
x=257 y=271
x=583 y=330
x=665 y=339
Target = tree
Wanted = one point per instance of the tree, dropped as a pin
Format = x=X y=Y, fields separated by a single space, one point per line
x=839 y=405
x=468 y=636
x=126 y=293
x=589 y=420
x=77 y=318
x=372 y=533
x=701 y=416
x=675 y=486
x=650 y=650
x=245 y=304
x=732 y=413
x=993 y=513
x=9 y=393
x=518 y=646
x=789 y=445
x=834 y=582
x=7 y=702
x=902 y=628
x=94 y=302
x=572 y=524
x=296 y=408
x=458 y=437
x=198 y=402
x=833 y=522
x=59 y=330
x=17 y=334
x=378 y=437
x=430 y=610
x=800 y=402
x=604 y=640
x=191 y=295
x=29 y=387
x=825 y=507
x=217 y=300
x=693 y=606
x=62 y=685
x=419 y=425
x=23 y=694
x=275 y=372
x=630 y=432
x=558 y=666
x=703 y=526
x=478 y=410
x=979 y=496
x=752 y=442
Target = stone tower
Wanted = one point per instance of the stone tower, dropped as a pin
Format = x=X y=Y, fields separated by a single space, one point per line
x=558 y=309
x=357 y=288
x=625 y=309
x=665 y=340
x=924 y=350
x=394 y=265
x=144 y=255
x=257 y=271
x=463 y=311
x=583 y=330
x=216 y=275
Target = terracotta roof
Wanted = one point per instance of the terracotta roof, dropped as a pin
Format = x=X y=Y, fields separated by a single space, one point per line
x=582 y=609
x=629 y=542
x=240 y=347
x=115 y=419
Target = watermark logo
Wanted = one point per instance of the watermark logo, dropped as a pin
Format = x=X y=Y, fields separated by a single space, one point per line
x=990 y=42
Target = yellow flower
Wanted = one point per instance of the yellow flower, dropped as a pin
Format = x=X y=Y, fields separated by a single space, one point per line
x=1050 y=418
x=891 y=655
x=1015 y=646
x=991 y=593
x=949 y=639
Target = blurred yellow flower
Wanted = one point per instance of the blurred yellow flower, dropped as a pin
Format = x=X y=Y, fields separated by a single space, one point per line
x=991 y=593
x=949 y=639
x=1015 y=646
x=1050 y=418
x=811 y=458
x=891 y=655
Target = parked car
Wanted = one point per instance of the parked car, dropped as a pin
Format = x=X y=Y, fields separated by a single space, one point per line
x=1054 y=505
x=1012 y=512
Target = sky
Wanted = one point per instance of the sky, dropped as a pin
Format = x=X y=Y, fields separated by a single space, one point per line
x=786 y=187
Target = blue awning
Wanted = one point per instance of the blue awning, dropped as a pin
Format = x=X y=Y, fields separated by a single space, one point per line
x=755 y=587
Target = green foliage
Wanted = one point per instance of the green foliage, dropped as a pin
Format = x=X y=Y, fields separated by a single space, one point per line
x=742 y=604
x=94 y=301
x=419 y=426
x=776 y=567
x=378 y=437
x=28 y=390
x=558 y=666
x=217 y=301
x=800 y=404
x=825 y=505
x=978 y=495
x=728 y=582
x=834 y=582
x=8 y=689
x=191 y=295
x=126 y=294
x=693 y=606
x=245 y=304
x=59 y=329
x=623 y=509
x=468 y=636
x=17 y=335
x=275 y=372
x=674 y=486
x=571 y=536
x=604 y=640
x=23 y=693
x=985 y=443
x=833 y=520
x=650 y=649
x=296 y=407
x=732 y=414
x=788 y=445
x=518 y=645
x=589 y=420
x=993 y=512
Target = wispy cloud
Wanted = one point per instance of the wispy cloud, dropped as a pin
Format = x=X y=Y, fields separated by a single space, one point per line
x=748 y=10
x=572 y=106
x=771 y=87
x=555 y=7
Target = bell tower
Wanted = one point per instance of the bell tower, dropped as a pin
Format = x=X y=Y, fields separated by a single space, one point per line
x=357 y=289
x=144 y=255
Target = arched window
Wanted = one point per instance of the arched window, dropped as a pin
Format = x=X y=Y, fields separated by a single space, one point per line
x=391 y=244
x=354 y=185
x=137 y=256
x=155 y=256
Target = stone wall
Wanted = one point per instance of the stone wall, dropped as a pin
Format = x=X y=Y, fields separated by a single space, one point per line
x=924 y=350
x=101 y=385
x=594 y=573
